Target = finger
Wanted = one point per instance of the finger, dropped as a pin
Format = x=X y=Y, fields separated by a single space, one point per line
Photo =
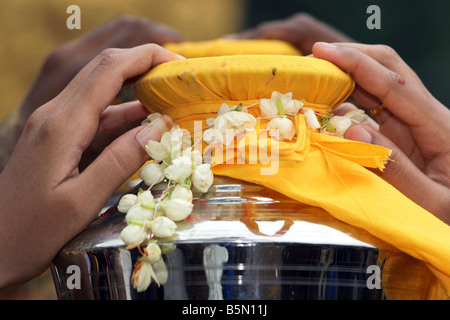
x=389 y=58
x=121 y=159
x=400 y=171
x=103 y=83
x=397 y=93
x=116 y=116
x=400 y=96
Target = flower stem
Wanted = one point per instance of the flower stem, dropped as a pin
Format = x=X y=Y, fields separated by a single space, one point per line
x=280 y=107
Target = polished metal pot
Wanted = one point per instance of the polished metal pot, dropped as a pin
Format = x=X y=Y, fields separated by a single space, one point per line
x=240 y=242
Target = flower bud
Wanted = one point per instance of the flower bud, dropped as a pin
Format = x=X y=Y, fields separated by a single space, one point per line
x=235 y=120
x=311 y=119
x=152 y=252
x=338 y=125
x=163 y=227
x=281 y=127
x=181 y=192
x=167 y=248
x=178 y=209
x=279 y=104
x=293 y=106
x=142 y=276
x=157 y=151
x=268 y=109
x=152 y=173
x=160 y=270
x=203 y=177
x=145 y=197
x=133 y=235
x=357 y=116
x=126 y=202
x=179 y=170
x=212 y=135
x=139 y=213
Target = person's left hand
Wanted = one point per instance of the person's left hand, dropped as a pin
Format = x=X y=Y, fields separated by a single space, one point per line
x=65 y=61
x=45 y=199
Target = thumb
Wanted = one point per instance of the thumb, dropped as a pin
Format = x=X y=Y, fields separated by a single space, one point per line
x=121 y=159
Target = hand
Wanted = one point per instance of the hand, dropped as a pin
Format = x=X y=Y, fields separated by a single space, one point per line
x=67 y=60
x=301 y=30
x=414 y=125
x=45 y=200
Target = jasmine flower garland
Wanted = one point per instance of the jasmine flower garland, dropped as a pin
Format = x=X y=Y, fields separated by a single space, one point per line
x=149 y=219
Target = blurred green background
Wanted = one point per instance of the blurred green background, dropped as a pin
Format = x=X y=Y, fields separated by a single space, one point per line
x=30 y=30
x=418 y=30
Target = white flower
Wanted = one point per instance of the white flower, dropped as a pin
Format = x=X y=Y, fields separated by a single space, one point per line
x=167 y=248
x=160 y=269
x=235 y=120
x=357 y=116
x=152 y=173
x=181 y=192
x=202 y=177
x=139 y=213
x=224 y=108
x=195 y=155
x=311 y=118
x=145 y=197
x=279 y=104
x=179 y=170
x=338 y=125
x=126 y=202
x=142 y=276
x=268 y=109
x=178 y=209
x=169 y=146
x=152 y=252
x=283 y=128
x=133 y=235
x=163 y=227
x=212 y=136
x=157 y=151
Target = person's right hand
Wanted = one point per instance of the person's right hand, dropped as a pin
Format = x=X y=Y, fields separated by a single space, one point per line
x=66 y=61
x=301 y=30
x=412 y=123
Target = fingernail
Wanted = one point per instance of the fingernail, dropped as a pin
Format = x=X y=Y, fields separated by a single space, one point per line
x=154 y=130
x=327 y=45
x=359 y=133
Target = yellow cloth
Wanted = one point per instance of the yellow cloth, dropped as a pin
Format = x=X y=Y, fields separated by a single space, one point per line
x=314 y=169
x=223 y=47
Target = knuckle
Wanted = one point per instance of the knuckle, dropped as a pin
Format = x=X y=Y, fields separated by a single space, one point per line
x=302 y=17
x=109 y=57
x=388 y=52
x=35 y=120
x=125 y=19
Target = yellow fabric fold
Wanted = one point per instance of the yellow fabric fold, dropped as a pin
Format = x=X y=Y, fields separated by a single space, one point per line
x=223 y=47
x=317 y=170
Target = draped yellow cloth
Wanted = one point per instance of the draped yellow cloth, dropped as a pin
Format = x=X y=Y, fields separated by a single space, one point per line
x=322 y=171
x=223 y=47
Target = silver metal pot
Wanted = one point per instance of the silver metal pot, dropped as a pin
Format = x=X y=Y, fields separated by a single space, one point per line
x=239 y=243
